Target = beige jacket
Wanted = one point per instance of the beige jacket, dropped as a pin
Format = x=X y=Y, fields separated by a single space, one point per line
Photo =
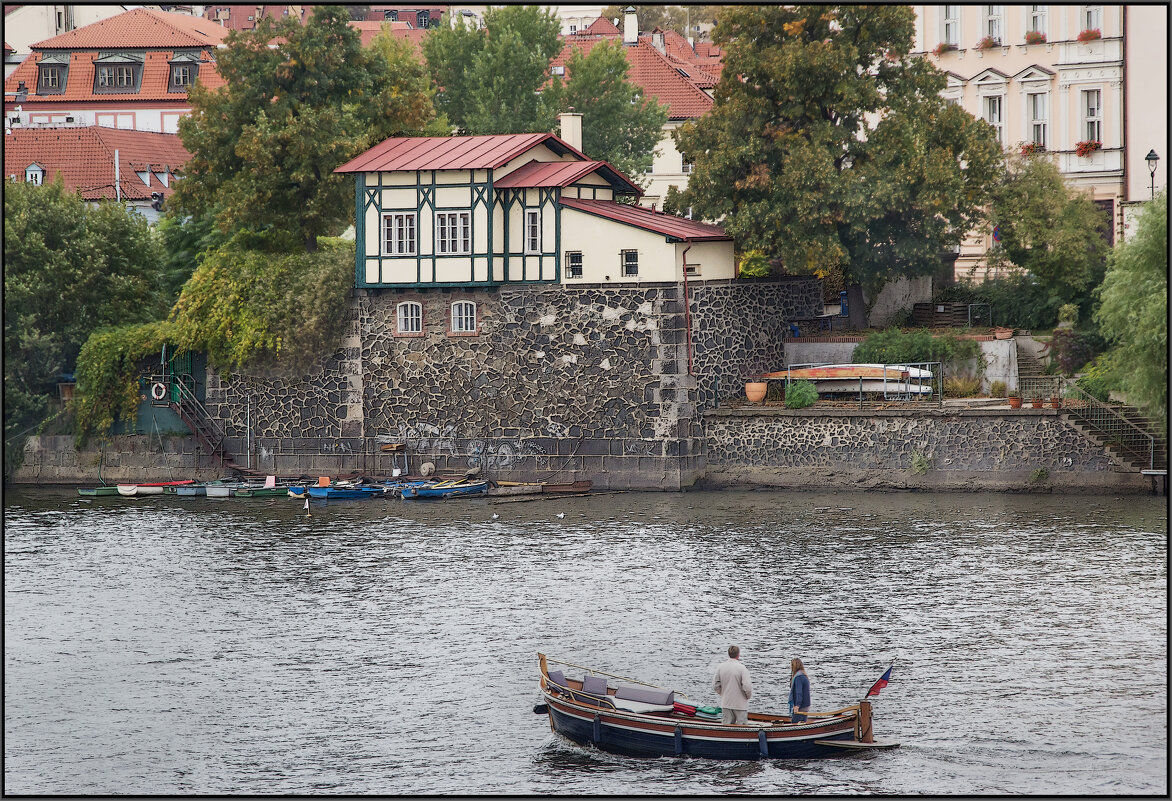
x=733 y=685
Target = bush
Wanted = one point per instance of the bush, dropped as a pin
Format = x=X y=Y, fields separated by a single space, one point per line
x=1096 y=380
x=800 y=394
x=1018 y=301
x=997 y=389
x=893 y=346
x=961 y=387
x=1071 y=349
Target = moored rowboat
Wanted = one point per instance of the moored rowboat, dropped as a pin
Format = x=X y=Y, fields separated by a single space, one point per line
x=93 y=491
x=629 y=717
x=445 y=489
x=150 y=488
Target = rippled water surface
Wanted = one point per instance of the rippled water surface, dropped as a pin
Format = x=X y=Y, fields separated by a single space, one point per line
x=175 y=645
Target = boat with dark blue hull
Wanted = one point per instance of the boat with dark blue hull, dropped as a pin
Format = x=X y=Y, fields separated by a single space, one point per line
x=626 y=716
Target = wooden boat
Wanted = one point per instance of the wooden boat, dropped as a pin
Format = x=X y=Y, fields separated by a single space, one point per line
x=626 y=716
x=576 y=486
x=90 y=492
x=222 y=489
x=336 y=492
x=191 y=490
x=445 y=489
x=149 y=488
x=269 y=489
x=853 y=372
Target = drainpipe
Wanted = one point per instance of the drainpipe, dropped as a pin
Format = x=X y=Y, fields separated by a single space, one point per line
x=117 y=178
x=1126 y=193
x=687 y=308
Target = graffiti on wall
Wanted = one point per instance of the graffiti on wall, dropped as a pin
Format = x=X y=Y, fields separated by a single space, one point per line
x=432 y=440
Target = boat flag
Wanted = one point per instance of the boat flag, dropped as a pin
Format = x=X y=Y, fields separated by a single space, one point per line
x=879 y=685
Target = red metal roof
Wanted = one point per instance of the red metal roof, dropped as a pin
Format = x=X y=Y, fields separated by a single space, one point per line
x=451 y=152
x=85 y=158
x=649 y=220
x=564 y=173
x=652 y=72
x=140 y=27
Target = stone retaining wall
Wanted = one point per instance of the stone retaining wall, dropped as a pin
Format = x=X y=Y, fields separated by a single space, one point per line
x=122 y=458
x=940 y=449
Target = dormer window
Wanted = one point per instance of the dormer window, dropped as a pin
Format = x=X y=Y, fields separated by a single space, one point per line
x=51 y=74
x=181 y=75
x=184 y=69
x=118 y=73
x=34 y=174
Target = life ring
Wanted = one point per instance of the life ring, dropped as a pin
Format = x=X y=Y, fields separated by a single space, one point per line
x=158 y=390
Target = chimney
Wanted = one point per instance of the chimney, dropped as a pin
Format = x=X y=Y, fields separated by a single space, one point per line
x=571 y=125
x=630 y=26
x=657 y=40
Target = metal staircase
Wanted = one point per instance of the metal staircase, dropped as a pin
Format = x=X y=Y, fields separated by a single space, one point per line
x=181 y=400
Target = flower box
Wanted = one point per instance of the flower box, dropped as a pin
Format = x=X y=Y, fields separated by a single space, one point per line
x=1035 y=37
x=1090 y=35
x=1084 y=149
x=987 y=42
x=943 y=47
x=1032 y=148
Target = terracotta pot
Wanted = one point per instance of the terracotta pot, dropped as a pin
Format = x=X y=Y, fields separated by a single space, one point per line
x=1015 y=403
x=1036 y=403
x=755 y=391
x=1056 y=403
x=1003 y=333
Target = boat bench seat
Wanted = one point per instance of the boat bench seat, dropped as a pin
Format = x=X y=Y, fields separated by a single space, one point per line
x=646 y=695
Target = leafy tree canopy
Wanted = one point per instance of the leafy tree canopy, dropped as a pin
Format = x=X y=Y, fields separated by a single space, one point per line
x=489 y=78
x=1134 y=311
x=69 y=268
x=264 y=146
x=619 y=125
x=829 y=146
x=650 y=17
x=1048 y=228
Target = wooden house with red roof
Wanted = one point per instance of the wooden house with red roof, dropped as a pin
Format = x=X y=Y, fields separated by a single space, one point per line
x=486 y=211
x=129 y=71
x=136 y=167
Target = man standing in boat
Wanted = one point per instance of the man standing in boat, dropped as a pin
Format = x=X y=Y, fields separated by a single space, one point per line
x=734 y=687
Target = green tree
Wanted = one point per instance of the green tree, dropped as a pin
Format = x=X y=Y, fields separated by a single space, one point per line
x=1048 y=228
x=264 y=145
x=69 y=268
x=830 y=148
x=490 y=78
x=1133 y=315
x=621 y=127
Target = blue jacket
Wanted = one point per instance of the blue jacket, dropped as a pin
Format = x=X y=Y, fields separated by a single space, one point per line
x=799 y=692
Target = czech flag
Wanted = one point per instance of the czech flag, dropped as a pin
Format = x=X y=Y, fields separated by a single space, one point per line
x=879 y=685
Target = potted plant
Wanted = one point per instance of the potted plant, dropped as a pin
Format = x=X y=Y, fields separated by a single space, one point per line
x=1032 y=148
x=1036 y=402
x=986 y=43
x=1001 y=332
x=1056 y=402
x=1090 y=35
x=1035 y=37
x=1084 y=149
x=1014 y=399
x=942 y=48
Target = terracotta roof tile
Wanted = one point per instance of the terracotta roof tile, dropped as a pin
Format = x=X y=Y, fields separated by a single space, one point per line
x=451 y=152
x=79 y=83
x=649 y=220
x=653 y=73
x=368 y=29
x=140 y=27
x=600 y=27
x=85 y=158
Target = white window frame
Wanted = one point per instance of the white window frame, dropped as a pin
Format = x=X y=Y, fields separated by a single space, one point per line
x=574 y=270
x=687 y=167
x=399 y=233
x=1038 y=122
x=994 y=23
x=453 y=233
x=181 y=75
x=532 y=232
x=629 y=263
x=409 y=317
x=1091 y=17
x=34 y=175
x=1092 y=115
x=987 y=108
x=950 y=25
x=463 y=317
x=1036 y=19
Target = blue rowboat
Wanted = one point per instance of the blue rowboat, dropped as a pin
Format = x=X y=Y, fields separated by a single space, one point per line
x=445 y=489
x=339 y=493
x=625 y=716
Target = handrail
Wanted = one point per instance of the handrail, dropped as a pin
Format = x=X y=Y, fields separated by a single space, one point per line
x=1072 y=390
x=202 y=419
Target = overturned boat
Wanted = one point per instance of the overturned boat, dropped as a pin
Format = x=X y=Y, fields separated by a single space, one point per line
x=627 y=716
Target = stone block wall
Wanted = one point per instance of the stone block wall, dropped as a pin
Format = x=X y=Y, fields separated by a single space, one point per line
x=125 y=458
x=943 y=449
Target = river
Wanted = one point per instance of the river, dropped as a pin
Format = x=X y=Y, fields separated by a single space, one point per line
x=195 y=646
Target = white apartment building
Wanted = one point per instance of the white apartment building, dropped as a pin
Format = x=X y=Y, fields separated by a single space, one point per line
x=1085 y=83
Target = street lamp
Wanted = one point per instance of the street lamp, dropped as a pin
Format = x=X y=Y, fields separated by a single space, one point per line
x=1151 y=158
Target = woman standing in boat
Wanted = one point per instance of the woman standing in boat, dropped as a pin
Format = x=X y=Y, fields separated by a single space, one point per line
x=799 y=691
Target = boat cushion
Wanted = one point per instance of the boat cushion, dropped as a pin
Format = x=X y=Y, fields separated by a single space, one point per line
x=594 y=685
x=646 y=695
x=557 y=677
x=639 y=706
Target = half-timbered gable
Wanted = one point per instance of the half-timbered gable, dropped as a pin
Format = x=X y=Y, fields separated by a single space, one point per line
x=510 y=209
